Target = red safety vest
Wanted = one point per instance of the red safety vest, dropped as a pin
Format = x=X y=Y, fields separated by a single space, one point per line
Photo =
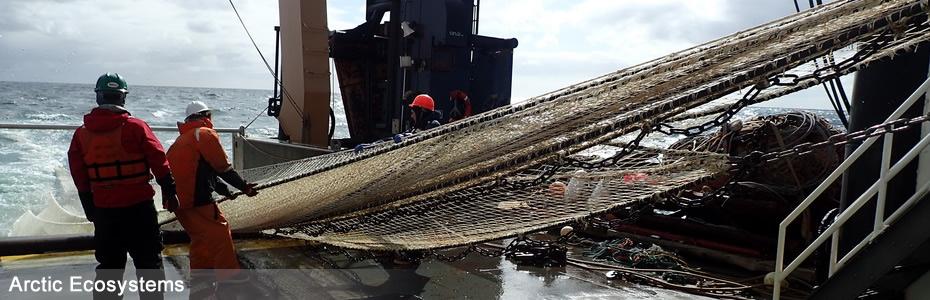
x=108 y=164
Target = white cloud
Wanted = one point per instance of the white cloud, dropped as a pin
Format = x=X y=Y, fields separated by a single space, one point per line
x=179 y=42
x=150 y=42
x=578 y=40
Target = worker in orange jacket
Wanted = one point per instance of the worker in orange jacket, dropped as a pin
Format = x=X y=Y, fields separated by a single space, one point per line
x=197 y=159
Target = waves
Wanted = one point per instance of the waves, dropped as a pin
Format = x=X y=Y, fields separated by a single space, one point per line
x=33 y=163
x=28 y=160
x=49 y=117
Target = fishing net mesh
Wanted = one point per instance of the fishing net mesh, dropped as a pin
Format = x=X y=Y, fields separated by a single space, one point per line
x=448 y=181
x=520 y=205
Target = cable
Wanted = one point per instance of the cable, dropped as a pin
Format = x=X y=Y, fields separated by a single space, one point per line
x=267 y=65
x=332 y=122
x=842 y=92
x=837 y=107
x=332 y=100
x=830 y=60
x=839 y=104
x=256 y=117
x=834 y=98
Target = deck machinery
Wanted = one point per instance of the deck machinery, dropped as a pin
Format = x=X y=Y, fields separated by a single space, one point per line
x=422 y=46
x=403 y=47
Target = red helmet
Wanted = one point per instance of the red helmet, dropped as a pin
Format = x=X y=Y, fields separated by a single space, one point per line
x=424 y=101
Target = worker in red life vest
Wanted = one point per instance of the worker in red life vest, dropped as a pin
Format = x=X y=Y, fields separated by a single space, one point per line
x=461 y=106
x=112 y=159
x=198 y=159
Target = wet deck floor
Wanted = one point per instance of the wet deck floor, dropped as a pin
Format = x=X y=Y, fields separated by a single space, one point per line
x=287 y=270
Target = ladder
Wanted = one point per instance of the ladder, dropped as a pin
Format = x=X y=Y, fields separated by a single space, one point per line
x=888 y=170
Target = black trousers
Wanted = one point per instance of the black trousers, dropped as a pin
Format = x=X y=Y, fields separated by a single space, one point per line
x=133 y=230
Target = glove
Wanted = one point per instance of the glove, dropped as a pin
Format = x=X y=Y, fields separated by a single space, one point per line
x=250 y=190
x=169 y=200
x=223 y=190
x=87 y=201
x=400 y=137
x=169 y=195
x=359 y=148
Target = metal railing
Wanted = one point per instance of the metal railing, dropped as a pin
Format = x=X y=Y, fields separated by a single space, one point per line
x=880 y=187
x=233 y=132
x=240 y=130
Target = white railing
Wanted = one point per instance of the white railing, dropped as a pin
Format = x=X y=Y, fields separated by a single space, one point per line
x=240 y=130
x=232 y=131
x=880 y=187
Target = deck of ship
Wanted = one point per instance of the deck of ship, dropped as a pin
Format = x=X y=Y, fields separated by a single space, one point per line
x=287 y=269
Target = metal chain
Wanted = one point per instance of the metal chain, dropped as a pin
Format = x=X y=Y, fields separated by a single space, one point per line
x=632 y=216
x=738 y=169
x=614 y=159
x=821 y=74
x=718 y=194
x=456 y=257
x=521 y=243
x=720 y=120
x=832 y=71
x=742 y=165
x=476 y=249
x=757 y=158
x=548 y=172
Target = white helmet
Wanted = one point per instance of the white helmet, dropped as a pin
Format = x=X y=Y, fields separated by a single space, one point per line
x=196 y=107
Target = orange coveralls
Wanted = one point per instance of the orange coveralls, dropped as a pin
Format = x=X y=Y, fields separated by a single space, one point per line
x=197 y=157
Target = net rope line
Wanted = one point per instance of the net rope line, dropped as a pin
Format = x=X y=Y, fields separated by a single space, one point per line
x=439 y=165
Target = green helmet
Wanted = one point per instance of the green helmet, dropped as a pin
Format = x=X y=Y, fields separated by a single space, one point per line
x=111 y=82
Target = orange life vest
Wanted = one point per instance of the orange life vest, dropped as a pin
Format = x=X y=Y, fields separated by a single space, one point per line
x=108 y=164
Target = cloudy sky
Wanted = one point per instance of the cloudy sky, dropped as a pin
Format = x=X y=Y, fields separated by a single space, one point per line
x=201 y=43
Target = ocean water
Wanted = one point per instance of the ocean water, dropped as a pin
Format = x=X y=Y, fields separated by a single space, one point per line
x=33 y=163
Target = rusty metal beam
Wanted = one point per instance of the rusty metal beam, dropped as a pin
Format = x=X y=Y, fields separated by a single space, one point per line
x=305 y=71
